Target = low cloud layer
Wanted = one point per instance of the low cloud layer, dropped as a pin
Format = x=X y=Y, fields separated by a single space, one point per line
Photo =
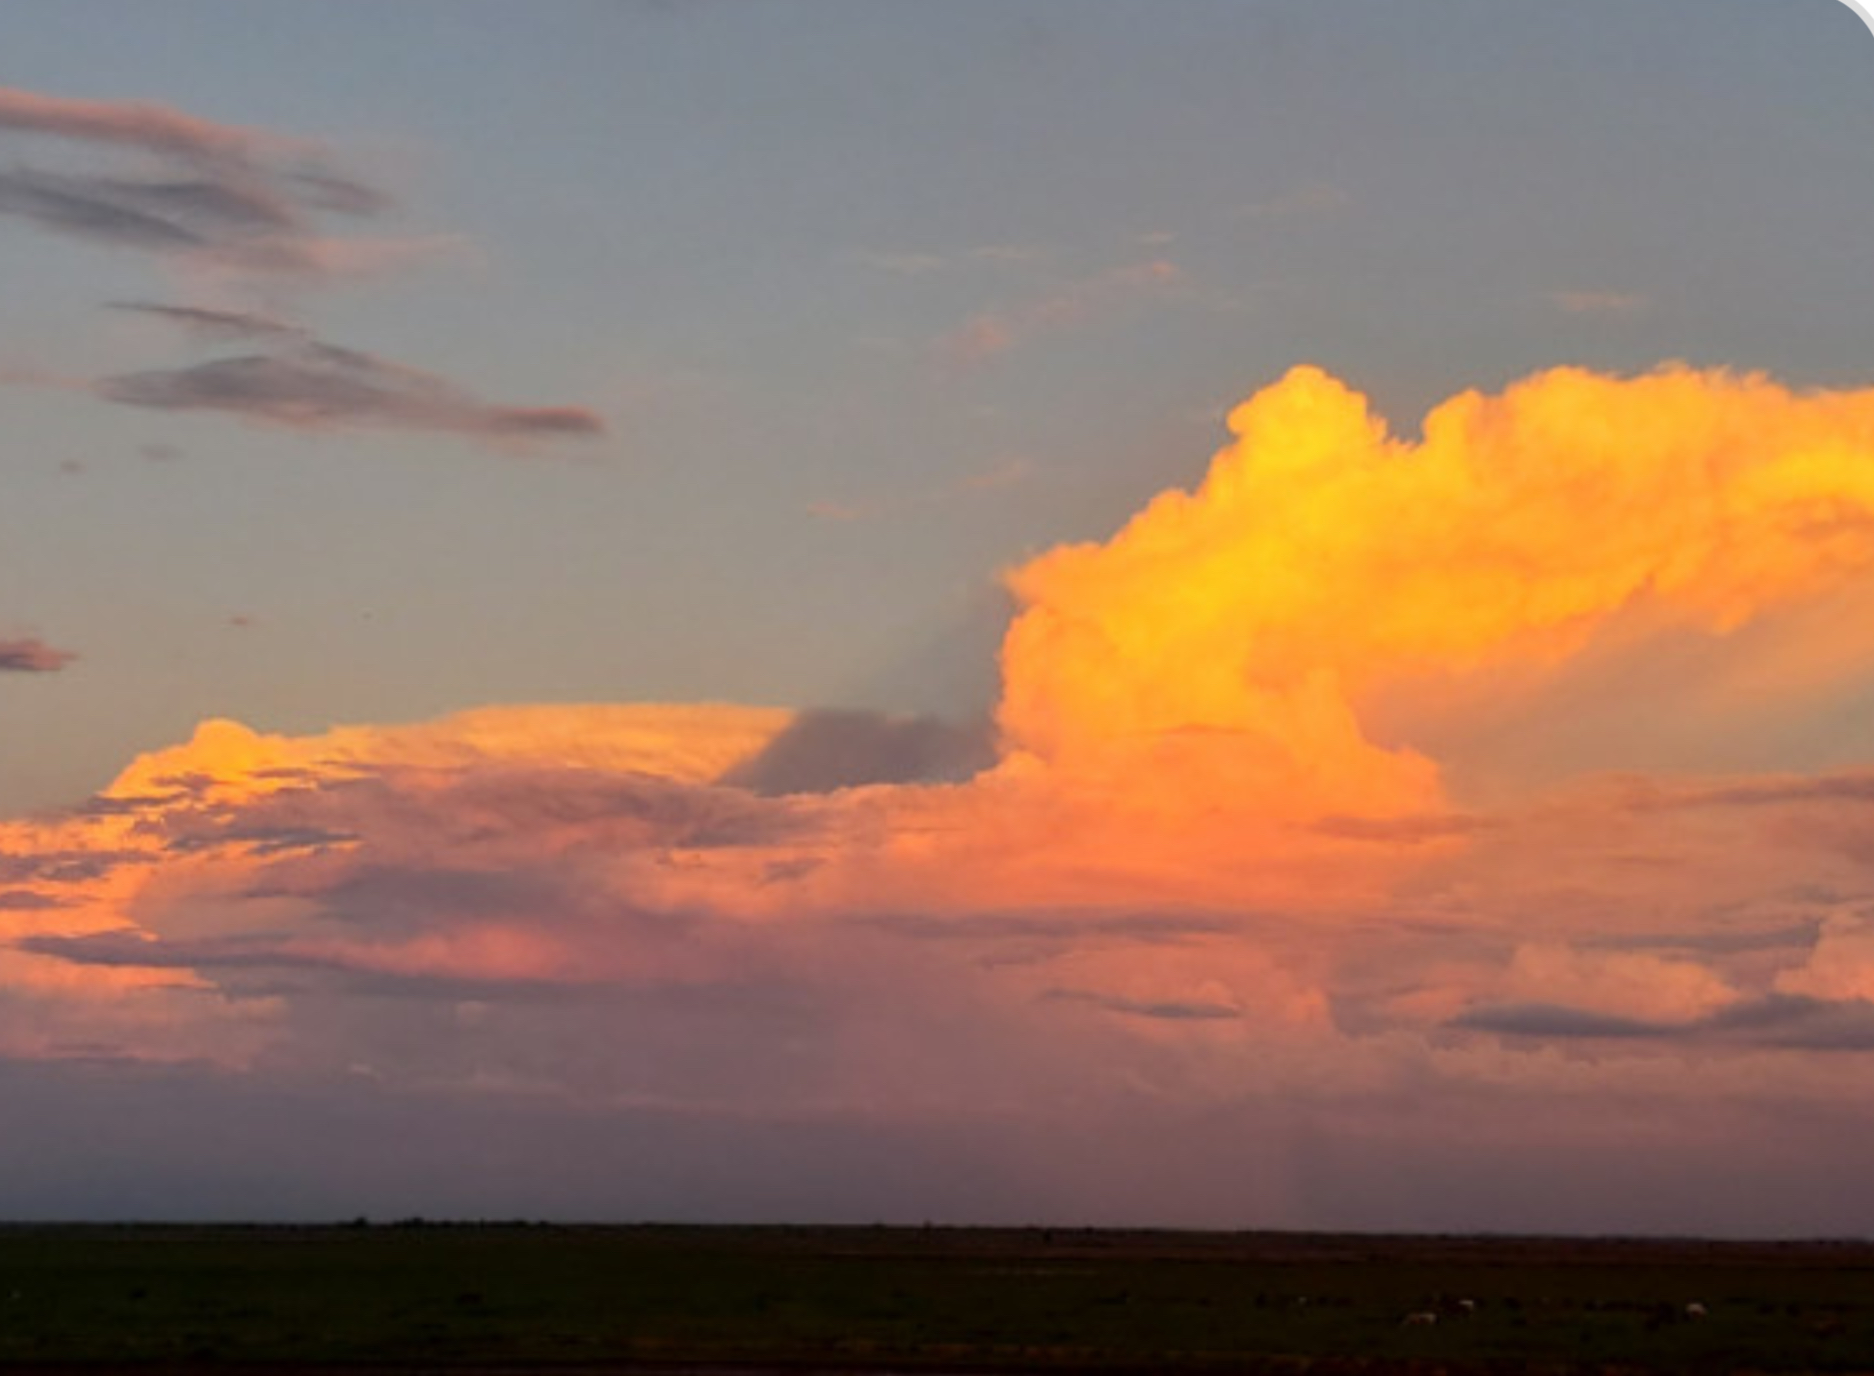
x=1240 y=890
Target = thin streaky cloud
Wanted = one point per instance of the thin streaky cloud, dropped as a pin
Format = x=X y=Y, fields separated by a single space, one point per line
x=321 y=387
x=1169 y=1010
x=1067 y=307
x=1558 y=1021
x=212 y=323
x=136 y=124
x=216 y=195
x=243 y=204
x=31 y=655
x=301 y=382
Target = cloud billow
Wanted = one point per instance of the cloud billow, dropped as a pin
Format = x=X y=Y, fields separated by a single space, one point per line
x=1189 y=882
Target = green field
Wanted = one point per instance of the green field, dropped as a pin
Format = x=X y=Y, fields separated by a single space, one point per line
x=404 y=1297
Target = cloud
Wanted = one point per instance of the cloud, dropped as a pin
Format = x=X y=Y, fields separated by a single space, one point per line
x=310 y=385
x=161 y=216
x=136 y=124
x=1067 y=307
x=1839 y=967
x=1524 y=531
x=245 y=208
x=1546 y=1021
x=824 y=750
x=217 y=195
x=1394 y=830
x=32 y=656
x=1191 y=1010
x=1198 y=877
x=25 y=900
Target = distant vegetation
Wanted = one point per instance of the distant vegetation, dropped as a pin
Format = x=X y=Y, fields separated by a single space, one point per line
x=540 y=1297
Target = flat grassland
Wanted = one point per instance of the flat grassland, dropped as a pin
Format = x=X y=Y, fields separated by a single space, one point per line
x=539 y=1299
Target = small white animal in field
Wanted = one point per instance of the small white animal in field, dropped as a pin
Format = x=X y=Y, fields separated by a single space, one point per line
x=1467 y=1307
x=1423 y=1318
x=1694 y=1310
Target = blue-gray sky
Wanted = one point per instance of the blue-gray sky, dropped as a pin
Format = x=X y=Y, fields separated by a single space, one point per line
x=372 y=365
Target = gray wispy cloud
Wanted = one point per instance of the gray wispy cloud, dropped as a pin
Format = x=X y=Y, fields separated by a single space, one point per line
x=249 y=205
x=222 y=194
x=31 y=655
x=1780 y=1021
x=1551 y=1020
x=1170 y=1010
x=303 y=383
x=215 y=324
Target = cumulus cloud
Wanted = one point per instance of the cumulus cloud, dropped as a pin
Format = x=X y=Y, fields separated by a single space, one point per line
x=1191 y=881
x=30 y=655
x=1526 y=530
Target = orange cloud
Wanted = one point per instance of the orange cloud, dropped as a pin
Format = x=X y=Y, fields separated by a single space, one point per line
x=1323 y=559
x=1196 y=867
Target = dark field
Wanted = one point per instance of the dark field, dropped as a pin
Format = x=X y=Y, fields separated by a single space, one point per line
x=438 y=1297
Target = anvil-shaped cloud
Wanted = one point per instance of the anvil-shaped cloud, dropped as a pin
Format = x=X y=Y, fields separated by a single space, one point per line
x=1247 y=837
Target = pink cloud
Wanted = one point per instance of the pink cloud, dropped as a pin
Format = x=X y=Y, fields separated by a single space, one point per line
x=155 y=128
x=1066 y=308
x=1190 y=885
x=32 y=656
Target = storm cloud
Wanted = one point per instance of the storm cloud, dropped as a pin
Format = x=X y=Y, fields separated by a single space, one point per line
x=1183 y=874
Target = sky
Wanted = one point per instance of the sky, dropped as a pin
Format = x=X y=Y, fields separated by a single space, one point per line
x=1238 y=614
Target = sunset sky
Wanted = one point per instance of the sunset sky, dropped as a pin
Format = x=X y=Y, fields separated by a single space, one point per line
x=1251 y=613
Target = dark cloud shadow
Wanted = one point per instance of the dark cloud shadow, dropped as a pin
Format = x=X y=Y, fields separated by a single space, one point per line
x=824 y=750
